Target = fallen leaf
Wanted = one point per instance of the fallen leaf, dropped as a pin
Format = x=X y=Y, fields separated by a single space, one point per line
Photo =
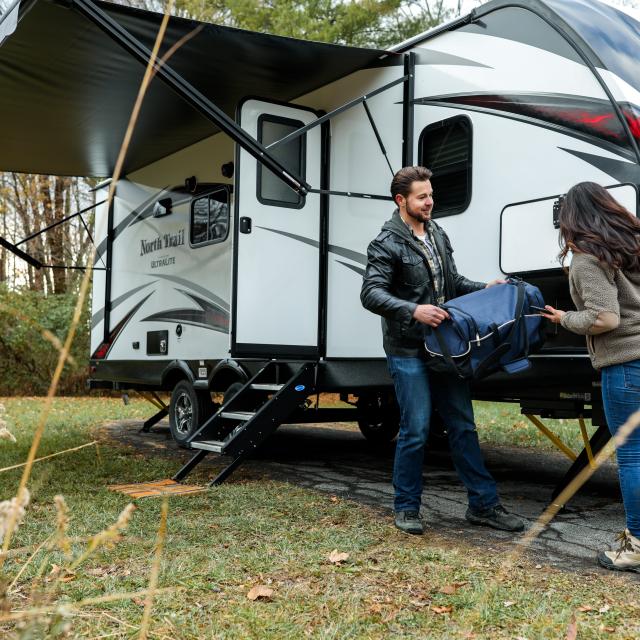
x=375 y=608
x=60 y=574
x=68 y=577
x=334 y=498
x=572 y=629
x=138 y=601
x=419 y=603
x=338 y=557
x=609 y=629
x=452 y=588
x=259 y=591
x=508 y=603
x=447 y=609
x=585 y=607
x=604 y=609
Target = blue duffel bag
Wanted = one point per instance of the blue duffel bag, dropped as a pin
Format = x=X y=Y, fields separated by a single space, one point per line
x=489 y=330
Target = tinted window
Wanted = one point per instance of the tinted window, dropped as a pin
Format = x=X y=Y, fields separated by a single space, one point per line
x=210 y=218
x=272 y=190
x=445 y=148
x=613 y=35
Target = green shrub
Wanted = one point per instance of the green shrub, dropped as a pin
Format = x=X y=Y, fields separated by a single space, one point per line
x=33 y=326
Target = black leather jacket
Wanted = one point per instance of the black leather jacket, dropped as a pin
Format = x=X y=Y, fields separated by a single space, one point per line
x=398 y=279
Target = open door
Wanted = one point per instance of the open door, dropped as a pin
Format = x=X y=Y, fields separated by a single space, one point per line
x=277 y=258
x=529 y=232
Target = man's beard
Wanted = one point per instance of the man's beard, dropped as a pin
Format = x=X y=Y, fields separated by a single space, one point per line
x=418 y=215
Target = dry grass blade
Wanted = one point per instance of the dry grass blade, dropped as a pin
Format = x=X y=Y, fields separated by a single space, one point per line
x=52 y=455
x=107 y=537
x=155 y=570
x=622 y=435
x=570 y=490
x=5 y=434
x=12 y=511
x=69 y=607
x=28 y=562
x=84 y=286
x=62 y=540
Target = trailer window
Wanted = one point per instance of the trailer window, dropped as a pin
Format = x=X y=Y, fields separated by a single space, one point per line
x=445 y=148
x=270 y=189
x=210 y=218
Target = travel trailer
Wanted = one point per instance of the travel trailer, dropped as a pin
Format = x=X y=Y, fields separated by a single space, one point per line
x=230 y=258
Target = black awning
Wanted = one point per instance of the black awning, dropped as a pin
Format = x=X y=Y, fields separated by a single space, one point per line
x=67 y=89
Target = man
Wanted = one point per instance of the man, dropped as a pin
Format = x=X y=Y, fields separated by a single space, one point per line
x=410 y=272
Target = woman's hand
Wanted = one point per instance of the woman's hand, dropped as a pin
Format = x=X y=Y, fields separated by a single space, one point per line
x=554 y=315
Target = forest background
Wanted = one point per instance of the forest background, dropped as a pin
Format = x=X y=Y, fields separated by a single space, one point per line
x=36 y=305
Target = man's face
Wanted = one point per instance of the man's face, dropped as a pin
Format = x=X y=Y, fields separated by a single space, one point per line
x=419 y=203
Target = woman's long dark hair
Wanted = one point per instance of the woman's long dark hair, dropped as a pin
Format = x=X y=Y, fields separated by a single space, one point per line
x=593 y=222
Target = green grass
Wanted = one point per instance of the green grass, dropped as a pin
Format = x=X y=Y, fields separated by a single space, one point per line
x=502 y=423
x=255 y=531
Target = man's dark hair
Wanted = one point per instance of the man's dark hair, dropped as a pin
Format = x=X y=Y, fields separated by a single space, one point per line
x=403 y=179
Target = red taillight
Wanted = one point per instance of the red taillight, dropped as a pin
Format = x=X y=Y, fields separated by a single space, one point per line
x=634 y=124
x=101 y=351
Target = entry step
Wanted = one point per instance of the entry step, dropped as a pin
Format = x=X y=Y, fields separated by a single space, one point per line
x=257 y=386
x=238 y=415
x=208 y=445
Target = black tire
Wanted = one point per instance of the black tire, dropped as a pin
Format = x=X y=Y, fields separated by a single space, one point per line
x=378 y=417
x=231 y=391
x=187 y=411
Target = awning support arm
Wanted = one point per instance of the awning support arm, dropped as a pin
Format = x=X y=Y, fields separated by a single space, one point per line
x=327 y=116
x=189 y=93
x=350 y=194
x=377 y=134
x=62 y=220
x=21 y=254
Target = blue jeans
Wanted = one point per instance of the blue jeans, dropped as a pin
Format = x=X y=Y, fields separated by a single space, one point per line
x=621 y=397
x=418 y=391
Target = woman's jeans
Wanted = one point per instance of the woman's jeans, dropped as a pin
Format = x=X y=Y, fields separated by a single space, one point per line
x=621 y=397
x=418 y=391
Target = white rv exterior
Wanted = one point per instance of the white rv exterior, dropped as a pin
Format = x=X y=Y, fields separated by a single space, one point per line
x=531 y=115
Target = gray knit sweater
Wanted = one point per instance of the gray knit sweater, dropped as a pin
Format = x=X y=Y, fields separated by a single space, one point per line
x=608 y=310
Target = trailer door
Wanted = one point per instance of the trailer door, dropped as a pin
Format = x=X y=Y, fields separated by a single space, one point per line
x=277 y=239
x=529 y=232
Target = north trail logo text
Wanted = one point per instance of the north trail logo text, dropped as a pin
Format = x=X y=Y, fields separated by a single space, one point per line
x=164 y=241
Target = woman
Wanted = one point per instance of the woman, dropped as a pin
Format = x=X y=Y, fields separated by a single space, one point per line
x=604 y=281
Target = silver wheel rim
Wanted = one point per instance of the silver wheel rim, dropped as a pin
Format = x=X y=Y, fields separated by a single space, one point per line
x=184 y=414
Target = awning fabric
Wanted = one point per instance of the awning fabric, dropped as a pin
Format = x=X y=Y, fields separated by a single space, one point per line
x=67 y=89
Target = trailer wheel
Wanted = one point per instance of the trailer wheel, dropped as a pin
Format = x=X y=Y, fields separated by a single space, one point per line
x=231 y=391
x=378 y=417
x=188 y=410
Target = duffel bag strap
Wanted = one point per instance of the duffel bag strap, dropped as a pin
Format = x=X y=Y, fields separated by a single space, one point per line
x=493 y=358
x=446 y=354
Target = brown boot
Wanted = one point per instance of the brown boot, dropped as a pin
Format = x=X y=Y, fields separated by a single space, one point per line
x=626 y=558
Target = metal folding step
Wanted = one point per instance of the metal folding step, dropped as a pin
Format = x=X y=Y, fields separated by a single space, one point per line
x=216 y=446
x=266 y=387
x=238 y=415
x=235 y=431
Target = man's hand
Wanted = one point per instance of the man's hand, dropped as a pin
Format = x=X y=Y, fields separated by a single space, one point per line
x=429 y=314
x=493 y=283
x=554 y=315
